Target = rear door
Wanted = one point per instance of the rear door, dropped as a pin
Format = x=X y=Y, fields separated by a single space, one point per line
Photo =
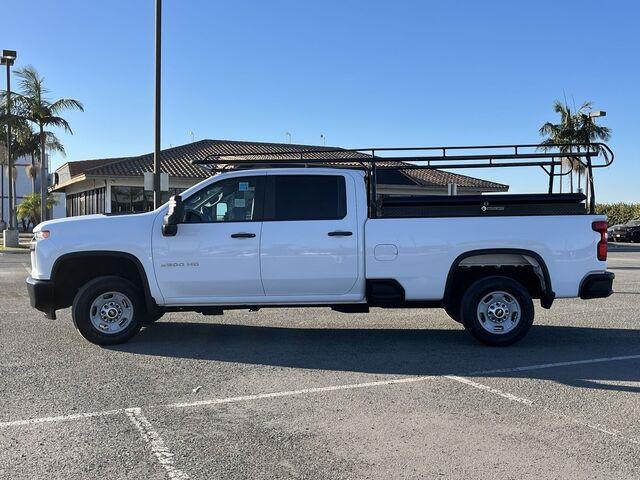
x=309 y=244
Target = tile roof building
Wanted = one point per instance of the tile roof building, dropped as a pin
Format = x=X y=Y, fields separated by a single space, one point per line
x=114 y=185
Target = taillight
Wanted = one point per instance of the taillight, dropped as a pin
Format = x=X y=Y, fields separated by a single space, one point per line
x=601 y=228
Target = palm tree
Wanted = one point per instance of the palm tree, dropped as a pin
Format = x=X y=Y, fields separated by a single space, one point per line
x=28 y=144
x=33 y=105
x=16 y=126
x=30 y=209
x=575 y=129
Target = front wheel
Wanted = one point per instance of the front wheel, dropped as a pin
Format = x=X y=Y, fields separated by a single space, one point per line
x=108 y=310
x=497 y=311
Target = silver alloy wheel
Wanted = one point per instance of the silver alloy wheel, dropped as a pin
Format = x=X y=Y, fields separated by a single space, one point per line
x=499 y=312
x=111 y=312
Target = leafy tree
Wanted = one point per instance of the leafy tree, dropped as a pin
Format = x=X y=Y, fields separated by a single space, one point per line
x=29 y=208
x=28 y=144
x=618 y=213
x=32 y=104
x=574 y=129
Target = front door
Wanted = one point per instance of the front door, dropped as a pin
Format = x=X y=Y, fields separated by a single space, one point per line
x=309 y=243
x=214 y=257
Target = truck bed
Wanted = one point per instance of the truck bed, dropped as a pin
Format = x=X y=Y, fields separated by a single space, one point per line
x=418 y=252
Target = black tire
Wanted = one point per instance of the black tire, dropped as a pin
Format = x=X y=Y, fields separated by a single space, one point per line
x=81 y=309
x=479 y=291
x=636 y=237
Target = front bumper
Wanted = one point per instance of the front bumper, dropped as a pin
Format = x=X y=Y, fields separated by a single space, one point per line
x=41 y=296
x=597 y=285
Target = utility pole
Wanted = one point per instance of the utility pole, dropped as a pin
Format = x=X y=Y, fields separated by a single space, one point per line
x=157 y=194
x=11 y=237
x=3 y=155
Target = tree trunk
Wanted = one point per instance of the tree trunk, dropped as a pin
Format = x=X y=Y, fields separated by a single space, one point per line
x=571 y=179
x=14 y=195
x=43 y=177
x=34 y=173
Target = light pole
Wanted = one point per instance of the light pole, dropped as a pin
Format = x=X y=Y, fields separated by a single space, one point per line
x=157 y=194
x=287 y=135
x=10 y=234
x=3 y=155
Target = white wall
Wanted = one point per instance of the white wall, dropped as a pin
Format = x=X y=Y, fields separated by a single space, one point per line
x=24 y=187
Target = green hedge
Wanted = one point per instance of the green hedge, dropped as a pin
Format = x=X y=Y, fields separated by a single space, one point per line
x=619 y=212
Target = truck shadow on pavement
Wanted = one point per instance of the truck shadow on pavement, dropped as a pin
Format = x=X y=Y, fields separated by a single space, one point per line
x=403 y=351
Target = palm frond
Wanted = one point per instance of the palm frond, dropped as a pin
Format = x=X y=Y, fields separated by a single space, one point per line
x=65 y=104
x=58 y=122
x=53 y=144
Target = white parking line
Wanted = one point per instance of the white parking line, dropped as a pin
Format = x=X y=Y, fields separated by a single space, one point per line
x=136 y=411
x=531 y=403
x=554 y=365
x=489 y=389
x=158 y=447
x=60 y=418
x=288 y=393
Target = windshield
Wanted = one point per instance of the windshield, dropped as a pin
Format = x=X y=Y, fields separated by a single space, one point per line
x=633 y=223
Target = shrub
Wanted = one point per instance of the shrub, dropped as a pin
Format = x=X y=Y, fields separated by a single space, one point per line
x=619 y=212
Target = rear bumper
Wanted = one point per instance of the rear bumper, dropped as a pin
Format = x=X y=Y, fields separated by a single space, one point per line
x=597 y=285
x=41 y=296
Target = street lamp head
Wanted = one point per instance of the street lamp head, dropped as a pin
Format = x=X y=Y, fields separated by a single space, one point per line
x=597 y=113
x=9 y=54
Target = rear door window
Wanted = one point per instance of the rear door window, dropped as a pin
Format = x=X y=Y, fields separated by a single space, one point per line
x=305 y=197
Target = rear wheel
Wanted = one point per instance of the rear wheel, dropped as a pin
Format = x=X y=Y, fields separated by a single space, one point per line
x=497 y=311
x=108 y=310
x=636 y=237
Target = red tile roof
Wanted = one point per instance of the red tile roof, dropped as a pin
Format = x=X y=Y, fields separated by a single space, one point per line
x=176 y=161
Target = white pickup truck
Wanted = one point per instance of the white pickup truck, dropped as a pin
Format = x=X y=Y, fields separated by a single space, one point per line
x=306 y=237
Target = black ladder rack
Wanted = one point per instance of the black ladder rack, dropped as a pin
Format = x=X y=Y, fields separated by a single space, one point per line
x=372 y=160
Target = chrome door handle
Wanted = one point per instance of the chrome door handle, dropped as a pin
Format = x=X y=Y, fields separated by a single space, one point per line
x=243 y=235
x=339 y=233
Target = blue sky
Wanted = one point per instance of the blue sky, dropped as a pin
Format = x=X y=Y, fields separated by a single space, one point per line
x=362 y=73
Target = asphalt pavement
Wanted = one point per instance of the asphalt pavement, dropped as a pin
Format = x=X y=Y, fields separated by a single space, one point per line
x=311 y=393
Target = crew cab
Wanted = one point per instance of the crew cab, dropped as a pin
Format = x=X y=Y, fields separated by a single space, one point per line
x=270 y=237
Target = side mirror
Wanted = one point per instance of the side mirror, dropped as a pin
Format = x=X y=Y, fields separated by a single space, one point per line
x=174 y=216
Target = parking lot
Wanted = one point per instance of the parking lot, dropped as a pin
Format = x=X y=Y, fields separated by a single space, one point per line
x=293 y=393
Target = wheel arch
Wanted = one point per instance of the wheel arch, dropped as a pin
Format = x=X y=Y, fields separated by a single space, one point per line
x=534 y=259
x=118 y=261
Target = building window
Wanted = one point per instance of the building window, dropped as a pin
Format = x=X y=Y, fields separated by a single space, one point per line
x=86 y=203
x=125 y=199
